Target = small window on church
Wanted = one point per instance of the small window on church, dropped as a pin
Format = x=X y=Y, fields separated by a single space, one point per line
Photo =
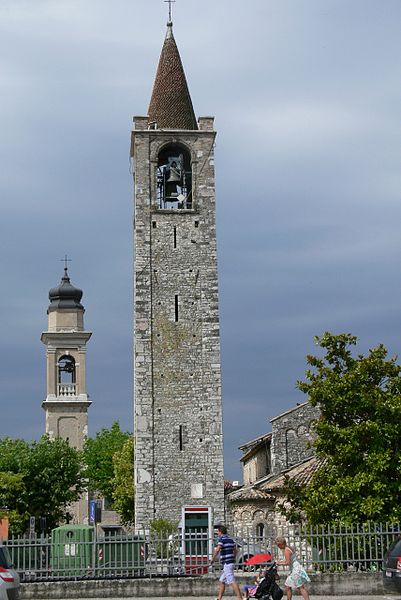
x=260 y=530
x=174 y=178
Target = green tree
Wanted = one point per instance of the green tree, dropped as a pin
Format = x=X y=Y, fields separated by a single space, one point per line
x=39 y=479
x=163 y=536
x=55 y=478
x=358 y=436
x=123 y=482
x=98 y=453
x=12 y=494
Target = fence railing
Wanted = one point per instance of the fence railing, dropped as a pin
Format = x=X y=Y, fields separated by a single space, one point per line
x=334 y=547
x=78 y=555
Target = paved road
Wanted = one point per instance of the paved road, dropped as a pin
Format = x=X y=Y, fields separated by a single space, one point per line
x=296 y=596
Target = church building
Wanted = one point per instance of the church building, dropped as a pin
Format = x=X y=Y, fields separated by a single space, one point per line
x=177 y=374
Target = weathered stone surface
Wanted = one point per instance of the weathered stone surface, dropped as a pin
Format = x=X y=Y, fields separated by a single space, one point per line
x=178 y=413
x=291 y=433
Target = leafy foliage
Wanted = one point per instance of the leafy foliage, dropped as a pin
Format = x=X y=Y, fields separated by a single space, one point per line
x=163 y=527
x=39 y=479
x=358 y=436
x=12 y=491
x=123 y=482
x=99 y=452
x=163 y=535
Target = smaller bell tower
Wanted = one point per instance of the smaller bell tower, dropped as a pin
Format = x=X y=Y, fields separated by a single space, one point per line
x=66 y=405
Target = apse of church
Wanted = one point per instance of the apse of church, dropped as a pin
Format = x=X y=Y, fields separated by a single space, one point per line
x=177 y=379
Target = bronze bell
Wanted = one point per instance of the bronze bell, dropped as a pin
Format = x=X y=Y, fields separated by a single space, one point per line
x=175 y=172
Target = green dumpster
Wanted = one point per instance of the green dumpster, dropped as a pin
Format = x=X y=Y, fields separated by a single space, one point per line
x=121 y=556
x=72 y=548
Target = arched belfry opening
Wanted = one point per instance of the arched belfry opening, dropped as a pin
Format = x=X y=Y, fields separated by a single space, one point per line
x=174 y=178
x=66 y=376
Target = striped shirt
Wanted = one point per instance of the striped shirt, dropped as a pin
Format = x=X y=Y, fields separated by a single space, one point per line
x=227 y=549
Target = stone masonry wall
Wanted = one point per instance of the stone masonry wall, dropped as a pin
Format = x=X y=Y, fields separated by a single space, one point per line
x=291 y=432
x=360 y=585
x=178 y=413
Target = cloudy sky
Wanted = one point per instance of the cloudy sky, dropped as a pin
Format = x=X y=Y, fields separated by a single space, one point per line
x=306 y=97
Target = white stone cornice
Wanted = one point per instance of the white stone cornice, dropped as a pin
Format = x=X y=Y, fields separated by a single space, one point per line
x=65 y=338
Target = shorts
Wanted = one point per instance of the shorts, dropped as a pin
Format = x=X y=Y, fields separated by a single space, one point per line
x=250 y=590
x=227 y=574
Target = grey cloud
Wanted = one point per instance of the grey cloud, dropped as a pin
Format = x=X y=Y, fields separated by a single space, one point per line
x=306 y=99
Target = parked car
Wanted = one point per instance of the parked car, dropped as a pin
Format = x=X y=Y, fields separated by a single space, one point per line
x=9 y=578
x=392 y=566
x=245 y=550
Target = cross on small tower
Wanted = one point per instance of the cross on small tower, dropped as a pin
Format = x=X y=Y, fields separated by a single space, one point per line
x=65 y=260
x=170 y=2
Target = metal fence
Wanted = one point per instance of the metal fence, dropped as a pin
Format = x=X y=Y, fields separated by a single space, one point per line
x=79 y=556
x=335 y=547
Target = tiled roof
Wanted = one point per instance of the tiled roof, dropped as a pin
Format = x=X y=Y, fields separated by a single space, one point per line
x=229 y=485
x=271 y=486
x=301 y=473
x=255 y=442
x=171 y=106
x=249 y=493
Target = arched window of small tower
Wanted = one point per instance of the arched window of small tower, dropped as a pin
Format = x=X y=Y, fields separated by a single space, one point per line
x=260 y=531
x=174 y=178
x=66 y=372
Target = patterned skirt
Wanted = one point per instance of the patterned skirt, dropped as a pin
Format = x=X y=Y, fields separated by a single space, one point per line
x=297 y=577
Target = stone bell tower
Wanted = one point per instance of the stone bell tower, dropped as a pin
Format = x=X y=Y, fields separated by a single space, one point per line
x=178 y=409
x=67 y=403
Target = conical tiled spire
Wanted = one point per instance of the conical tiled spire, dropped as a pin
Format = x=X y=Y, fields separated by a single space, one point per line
x=171 y=106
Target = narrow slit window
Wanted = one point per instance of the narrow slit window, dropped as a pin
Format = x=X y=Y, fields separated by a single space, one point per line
x=176 y=308
x=175 y=237
x=181 y=436
x=154 y=224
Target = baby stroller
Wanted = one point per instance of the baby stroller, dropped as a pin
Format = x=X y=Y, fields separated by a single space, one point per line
x=268 y=588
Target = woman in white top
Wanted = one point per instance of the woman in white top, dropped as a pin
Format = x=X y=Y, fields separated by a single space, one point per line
x=298 y=577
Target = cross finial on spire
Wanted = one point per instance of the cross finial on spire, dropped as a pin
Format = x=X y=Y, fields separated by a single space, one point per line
x=170 y=2
x=65 y=260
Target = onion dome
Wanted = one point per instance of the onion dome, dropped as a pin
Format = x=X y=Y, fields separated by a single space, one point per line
x=171 y=105
x=65 y=295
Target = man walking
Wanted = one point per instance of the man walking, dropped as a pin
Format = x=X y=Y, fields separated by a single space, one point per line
x=227 y=549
